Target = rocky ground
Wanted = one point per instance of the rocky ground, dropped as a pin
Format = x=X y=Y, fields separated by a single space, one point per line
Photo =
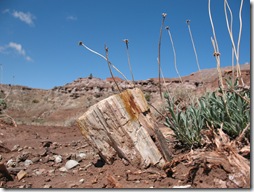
x=47 y=150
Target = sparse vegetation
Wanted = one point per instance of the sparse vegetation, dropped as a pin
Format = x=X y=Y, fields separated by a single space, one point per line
x=212 y=110
x=185 y=124
x=148 y=96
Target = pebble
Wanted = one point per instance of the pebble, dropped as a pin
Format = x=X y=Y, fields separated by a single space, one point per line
x=71 y=164
x=82 y=155
x=11 y=163
x=51 y=171
x=28 y=162
x=47 y=180
x=182 y=186
x=46 y=143
x=58 y=158
x=63 y=169
x=82 y=180
x=22 y=157
x=21 y=174
x=1 y=157
x=35 y=159
x=40 y=171
x=47 y=186
x=15 y=148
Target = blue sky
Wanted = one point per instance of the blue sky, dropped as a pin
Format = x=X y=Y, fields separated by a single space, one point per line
x=39 y=38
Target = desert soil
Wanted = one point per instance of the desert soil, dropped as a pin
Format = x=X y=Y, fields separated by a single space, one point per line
x=43 y=144
x=37 y=154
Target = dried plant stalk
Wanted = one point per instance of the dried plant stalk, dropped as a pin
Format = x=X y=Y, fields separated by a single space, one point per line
x=236 y=49
x=231 y=29
x=109 y=66
x=82 y=44
x=159 y=52
x=193 y=45
x=215 y=46
x=128 y=55
x=171 y=39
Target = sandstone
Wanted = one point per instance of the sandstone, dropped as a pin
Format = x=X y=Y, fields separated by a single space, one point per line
x=21 y=174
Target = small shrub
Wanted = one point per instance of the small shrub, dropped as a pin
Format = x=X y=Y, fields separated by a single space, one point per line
x=3 y=105
x=148 y=97
x=90 y=76
x=185 y=124
x=229 y=109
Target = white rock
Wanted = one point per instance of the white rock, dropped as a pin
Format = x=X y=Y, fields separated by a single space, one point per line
x=11 y=163
x=15 y=148
x=63 y=169
x=82 y=180
x=71 y=164
x=58 y=158
x=182 y=186
x=28 y=162
x=47 y=186
x=82 y=155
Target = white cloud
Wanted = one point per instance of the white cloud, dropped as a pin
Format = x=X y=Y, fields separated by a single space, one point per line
x=71 y=18
x=28 y=18
x=17 y=48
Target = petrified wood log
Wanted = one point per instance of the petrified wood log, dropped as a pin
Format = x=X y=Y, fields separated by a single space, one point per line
x=122 y=125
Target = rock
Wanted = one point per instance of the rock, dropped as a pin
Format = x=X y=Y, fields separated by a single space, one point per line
x=28 y=162
x=47 y=186
x=15 y=148
x=82 y=155
x=82 y=180
x=39 y=171
x=182 y=186
x=46 y=143
x=35 y=159
x=47 y=180
x=63 y=169
x=58 y=158
x=43 y=153
x=1 y=157
x=71 y=164
x=22 y=157
x=21 y=174
x=11 y=163
x=51 y=172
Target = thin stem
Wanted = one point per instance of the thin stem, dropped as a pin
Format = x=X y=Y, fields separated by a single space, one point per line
x=82 y=44
x=215 y=46
x=217 y=57
x=109 y=66
x=193 y=45
x=230 y=31
x=164 y=82
x=171 y=39
x=128 y=55
x=239 y=40
x=159 y=52
x=236 y=51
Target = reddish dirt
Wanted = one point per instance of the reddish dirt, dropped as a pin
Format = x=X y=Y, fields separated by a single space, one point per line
x=41 y=143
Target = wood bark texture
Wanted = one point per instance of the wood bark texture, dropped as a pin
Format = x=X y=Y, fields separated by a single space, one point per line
x=122 y=125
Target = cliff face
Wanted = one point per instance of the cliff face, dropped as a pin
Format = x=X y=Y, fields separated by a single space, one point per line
x=62 y=105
